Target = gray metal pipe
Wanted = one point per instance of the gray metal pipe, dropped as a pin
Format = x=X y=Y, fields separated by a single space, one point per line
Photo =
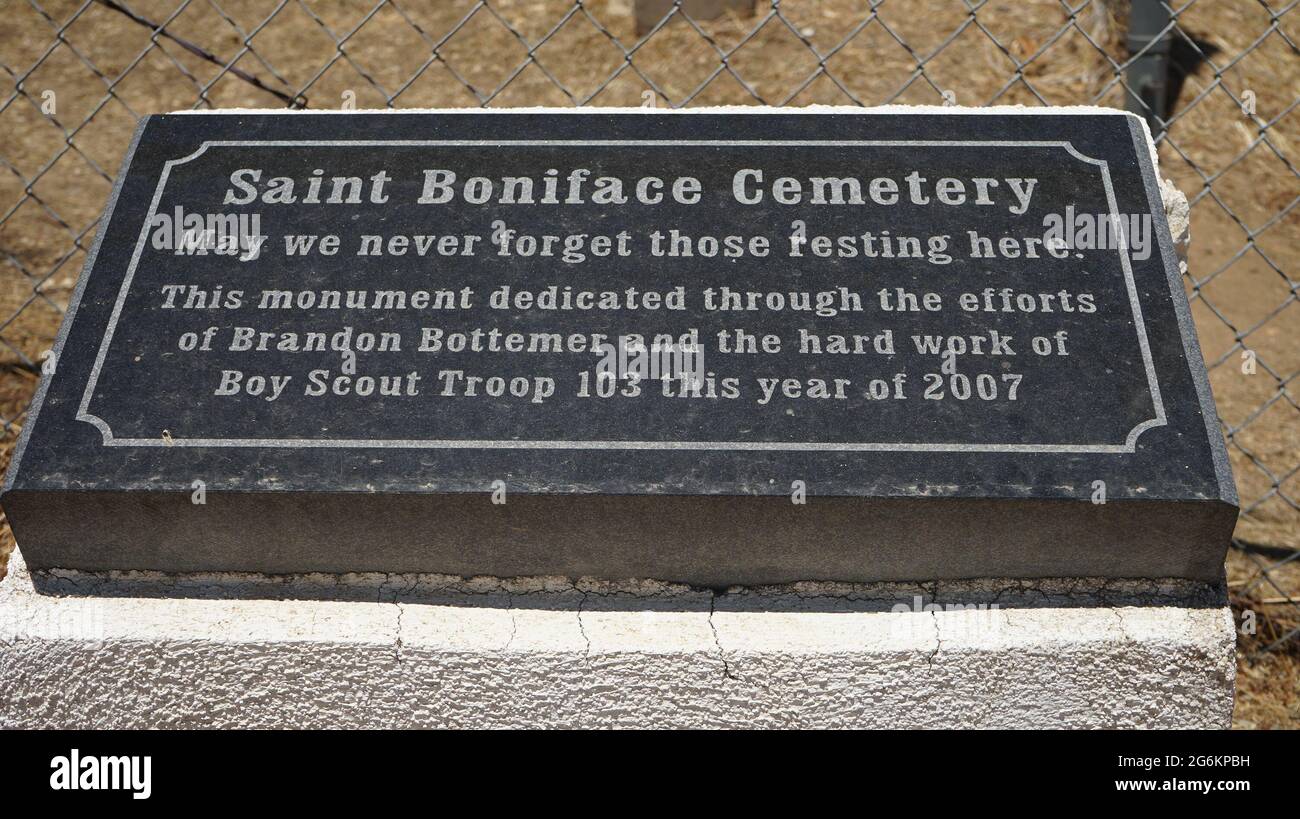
x=1147 y=76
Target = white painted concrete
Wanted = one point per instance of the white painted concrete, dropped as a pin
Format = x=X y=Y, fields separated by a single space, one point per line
x=144 y=650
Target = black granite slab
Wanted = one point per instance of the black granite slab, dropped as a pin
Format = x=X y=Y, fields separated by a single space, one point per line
x=1077 y=372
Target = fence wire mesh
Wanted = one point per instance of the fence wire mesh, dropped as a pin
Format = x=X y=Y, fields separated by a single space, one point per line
x=78 y=75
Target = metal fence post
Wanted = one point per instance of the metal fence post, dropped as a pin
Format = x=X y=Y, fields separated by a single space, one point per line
x=1147 y=76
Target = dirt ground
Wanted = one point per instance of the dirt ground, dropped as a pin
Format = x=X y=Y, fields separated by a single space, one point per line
x=1240 y=177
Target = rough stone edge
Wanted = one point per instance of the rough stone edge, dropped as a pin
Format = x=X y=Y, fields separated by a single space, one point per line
x=1080 y=592
x=540 y=652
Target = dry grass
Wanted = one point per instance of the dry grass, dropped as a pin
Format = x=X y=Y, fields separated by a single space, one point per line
x=44 y=240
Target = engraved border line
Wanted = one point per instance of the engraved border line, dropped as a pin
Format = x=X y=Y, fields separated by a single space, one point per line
x=1129 y=445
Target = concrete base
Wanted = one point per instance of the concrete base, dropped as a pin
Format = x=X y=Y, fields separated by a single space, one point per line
x=145 y=650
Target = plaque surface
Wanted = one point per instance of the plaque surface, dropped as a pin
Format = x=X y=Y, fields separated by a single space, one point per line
x=709 y=347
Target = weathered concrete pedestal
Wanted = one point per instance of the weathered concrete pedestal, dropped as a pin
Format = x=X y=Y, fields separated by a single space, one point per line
x=146 y=650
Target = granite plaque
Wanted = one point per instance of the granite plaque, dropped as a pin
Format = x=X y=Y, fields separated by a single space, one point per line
x=707 y=347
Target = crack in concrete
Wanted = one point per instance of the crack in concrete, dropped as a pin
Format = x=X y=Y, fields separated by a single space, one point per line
x=397 y=643
x=586 y=654
x=514 y=622
x=717 y=641
x=938 y=641
x=1123 y=627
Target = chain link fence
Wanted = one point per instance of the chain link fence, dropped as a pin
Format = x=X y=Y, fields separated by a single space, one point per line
x=1219 y=81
